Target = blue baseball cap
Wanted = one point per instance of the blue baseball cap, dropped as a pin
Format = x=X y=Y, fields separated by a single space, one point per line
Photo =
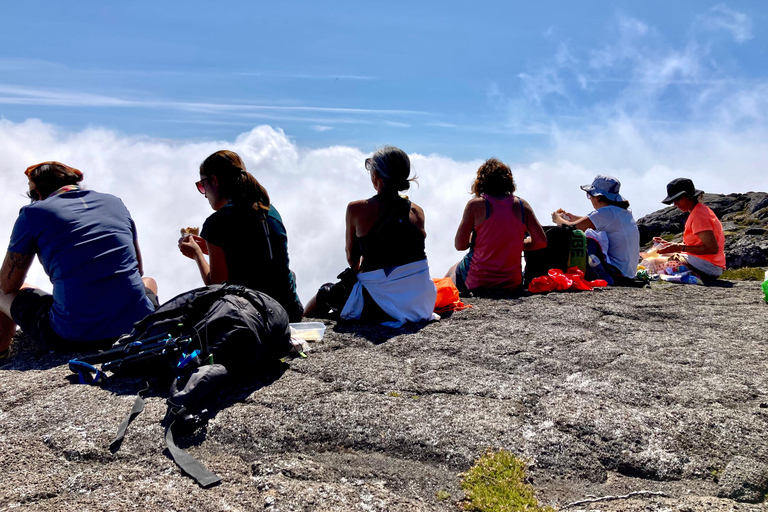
x=607 y=186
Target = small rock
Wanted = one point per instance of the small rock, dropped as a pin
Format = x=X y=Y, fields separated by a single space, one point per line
x=744 y=479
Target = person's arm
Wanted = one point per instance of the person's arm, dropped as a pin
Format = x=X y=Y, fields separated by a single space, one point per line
x=138 y=256
x=467 y=225
x=218 y=271
x=136 y=248
x=417 y=218
x=582 y=223
x=196 y=248
x=537 y=238
x=352 y=248
x=14 y=271
x=708 y=245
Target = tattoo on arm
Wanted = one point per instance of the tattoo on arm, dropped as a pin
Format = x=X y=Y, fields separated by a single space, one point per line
x=18 y=261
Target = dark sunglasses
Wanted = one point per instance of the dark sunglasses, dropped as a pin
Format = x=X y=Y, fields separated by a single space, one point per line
x=200 y=186
x=368 y=164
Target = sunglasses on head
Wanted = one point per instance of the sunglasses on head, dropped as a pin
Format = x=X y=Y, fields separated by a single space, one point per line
x=368 y=164
x=200 y=186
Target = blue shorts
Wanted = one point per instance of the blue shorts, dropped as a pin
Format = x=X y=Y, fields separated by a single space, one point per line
x=462 y=270
x=30 y=310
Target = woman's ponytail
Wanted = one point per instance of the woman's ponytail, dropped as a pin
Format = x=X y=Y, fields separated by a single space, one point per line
x=235 y=183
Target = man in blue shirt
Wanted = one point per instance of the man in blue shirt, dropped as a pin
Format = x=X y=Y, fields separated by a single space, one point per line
x=87 y=244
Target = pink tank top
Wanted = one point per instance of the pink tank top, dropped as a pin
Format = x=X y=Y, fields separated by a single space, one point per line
x=498 y=247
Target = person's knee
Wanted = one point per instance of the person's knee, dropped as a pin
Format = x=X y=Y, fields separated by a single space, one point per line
x=6 y=299
x=150 y=283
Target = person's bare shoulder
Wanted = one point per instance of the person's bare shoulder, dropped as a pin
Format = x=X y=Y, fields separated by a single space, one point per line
x=358 y=207
x=476 y=204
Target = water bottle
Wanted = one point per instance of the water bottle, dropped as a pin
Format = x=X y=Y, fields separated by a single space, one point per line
x=597 y=266
x=578 y=254
x=765 y=287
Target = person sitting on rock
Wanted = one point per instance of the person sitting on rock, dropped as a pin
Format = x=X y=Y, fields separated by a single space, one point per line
x=86 y=242
x=703 y=247
x=244 y=238
x=613 y=217
x=388 y=277
x=496 y=226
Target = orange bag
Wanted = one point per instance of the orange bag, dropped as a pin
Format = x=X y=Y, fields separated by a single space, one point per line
x=447 y=296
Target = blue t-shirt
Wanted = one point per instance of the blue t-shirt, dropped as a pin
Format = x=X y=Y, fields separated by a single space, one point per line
x=623 y=237
x=85 y=242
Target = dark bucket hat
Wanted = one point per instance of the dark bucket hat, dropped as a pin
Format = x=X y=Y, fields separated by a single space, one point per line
x=680 y=187
x=607 y=186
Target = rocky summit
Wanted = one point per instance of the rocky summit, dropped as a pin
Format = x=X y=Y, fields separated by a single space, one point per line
x=606 y=393
x=745 y=224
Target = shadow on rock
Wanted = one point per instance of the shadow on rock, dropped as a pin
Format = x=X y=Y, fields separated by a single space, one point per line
x=377 y=333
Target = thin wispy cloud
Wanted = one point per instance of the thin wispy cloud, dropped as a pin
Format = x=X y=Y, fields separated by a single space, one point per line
x=721 y=17
x=306 y=76
x=23 y=95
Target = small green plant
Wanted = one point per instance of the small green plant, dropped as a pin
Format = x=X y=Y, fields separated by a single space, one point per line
x=744 y=274
x=715 y=473
x=394 y=394
x=415 y=397
x=442 y=495
x=496 y=483
x=668 y=237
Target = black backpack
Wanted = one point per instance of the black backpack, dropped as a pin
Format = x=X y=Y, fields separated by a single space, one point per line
x=195 y=339
x=554 y=255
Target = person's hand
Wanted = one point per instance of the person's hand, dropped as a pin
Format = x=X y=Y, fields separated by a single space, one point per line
x=659 y=240
x=557 y=218
x=201 y=243
x=191 y=245
x=669 y=248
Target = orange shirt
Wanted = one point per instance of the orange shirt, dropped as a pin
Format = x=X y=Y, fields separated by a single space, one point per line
x=702 y=218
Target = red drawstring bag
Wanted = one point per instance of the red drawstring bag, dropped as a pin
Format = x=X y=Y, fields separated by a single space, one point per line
x=447 y=296
x=555 y=280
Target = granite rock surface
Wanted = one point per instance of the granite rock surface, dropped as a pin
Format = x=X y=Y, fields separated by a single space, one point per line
x=606 y=392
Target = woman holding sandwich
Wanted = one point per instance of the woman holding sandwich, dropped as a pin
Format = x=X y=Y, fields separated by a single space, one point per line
x=244 y=238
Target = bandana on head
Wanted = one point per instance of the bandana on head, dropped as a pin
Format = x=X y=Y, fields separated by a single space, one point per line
x=31 y=168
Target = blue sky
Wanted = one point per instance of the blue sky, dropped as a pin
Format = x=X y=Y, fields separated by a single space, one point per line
x=137 y=94
x=462 y=80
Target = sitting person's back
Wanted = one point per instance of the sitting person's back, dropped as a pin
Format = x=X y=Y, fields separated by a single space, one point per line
x=393 y=240
x=493 y=228
x=255 y=245
x=244 y=237
x=388 y=279
x=86 y=242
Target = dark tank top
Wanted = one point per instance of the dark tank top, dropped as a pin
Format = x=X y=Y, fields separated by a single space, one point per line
x=393 y=240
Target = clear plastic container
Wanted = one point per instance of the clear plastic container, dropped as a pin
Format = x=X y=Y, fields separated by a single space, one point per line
x=308 y=331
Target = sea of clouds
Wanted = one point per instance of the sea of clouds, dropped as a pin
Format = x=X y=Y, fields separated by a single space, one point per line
x=312 y=186
x=638 y=105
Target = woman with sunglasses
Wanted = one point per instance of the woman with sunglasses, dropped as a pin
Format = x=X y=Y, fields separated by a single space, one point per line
x=612 y=216
x=244 y=238
x=388 y=276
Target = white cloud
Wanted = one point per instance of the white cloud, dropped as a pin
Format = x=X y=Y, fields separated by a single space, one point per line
x=311 y=187
x=721 y=17
x=26 y=95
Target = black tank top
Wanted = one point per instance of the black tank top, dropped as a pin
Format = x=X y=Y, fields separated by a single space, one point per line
x=393 y=240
